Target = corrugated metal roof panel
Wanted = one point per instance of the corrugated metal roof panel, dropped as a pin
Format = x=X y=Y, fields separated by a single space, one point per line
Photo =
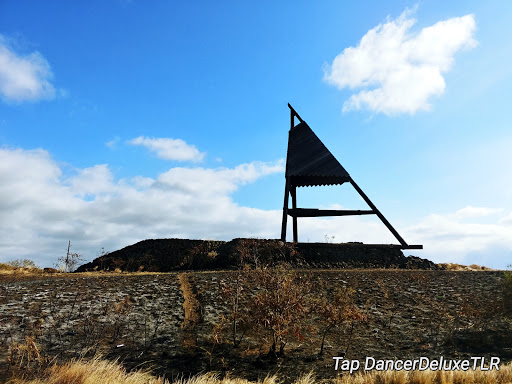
x=309 y=162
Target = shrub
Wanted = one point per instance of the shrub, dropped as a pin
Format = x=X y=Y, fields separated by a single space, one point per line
x=201 y=256
x=22 y=263
x=263 y=253
x=6 y=267
x=235 y=291
x=335 y=310
x=281 y=305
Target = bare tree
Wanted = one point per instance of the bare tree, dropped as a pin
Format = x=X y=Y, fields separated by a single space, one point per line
x=71 y=260
x=336 y=310
x=236 y=292
x=281 y=304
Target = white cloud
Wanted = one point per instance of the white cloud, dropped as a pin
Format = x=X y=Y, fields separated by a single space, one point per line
x=170 y=149
x=24 y=78
x=397 y=70
x=506 y=220
x=95 y=180
x=112 y=144
x=208 y=182
x=455 y=238
x=471 y=212
x=41 y=209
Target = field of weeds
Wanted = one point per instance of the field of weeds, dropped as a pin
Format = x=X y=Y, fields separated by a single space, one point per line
x=182 y=324
x=101 y=371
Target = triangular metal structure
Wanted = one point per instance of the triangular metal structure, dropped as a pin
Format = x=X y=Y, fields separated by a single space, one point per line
x=310 y=163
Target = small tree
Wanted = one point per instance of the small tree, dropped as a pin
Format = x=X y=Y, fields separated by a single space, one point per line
x=235 y=291
x=336 y=310
x=280 y=305
x=71 y=260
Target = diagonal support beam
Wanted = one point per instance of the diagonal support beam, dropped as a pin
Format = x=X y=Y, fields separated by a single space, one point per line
x=377 y=212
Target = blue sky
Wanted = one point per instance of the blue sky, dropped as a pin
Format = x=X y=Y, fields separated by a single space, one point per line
x=127 y=120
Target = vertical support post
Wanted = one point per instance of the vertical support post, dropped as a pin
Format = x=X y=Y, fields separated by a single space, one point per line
x=377 y=212
x=285 y=210
x=293 y=191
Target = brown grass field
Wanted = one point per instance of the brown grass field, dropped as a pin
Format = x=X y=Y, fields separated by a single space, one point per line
x=178 y=325
x=101 y=371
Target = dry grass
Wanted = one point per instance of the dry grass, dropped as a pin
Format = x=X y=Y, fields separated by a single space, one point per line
x=102 y=371
x=91 y=372
x=460 y=267
x=503 y=376
x=190 y=304
x=6 y=269
x=191 y=308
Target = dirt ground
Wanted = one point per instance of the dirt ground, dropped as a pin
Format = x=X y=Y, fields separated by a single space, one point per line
x=165 y=321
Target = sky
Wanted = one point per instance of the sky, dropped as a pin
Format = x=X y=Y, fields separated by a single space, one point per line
x=128 y=120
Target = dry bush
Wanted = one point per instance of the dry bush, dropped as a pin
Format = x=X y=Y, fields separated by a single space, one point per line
x=202 y=256
x=460 y=267
x=6 y=267
x=25 y=358
x=236 y=293
x=264 y=253
x=22 y=263
x=19 y=266
x=335 y=310
x=281 y=304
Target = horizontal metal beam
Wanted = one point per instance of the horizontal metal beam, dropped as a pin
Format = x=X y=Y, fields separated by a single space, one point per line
x=410 y=246
x=364 y=245
x=311 y=212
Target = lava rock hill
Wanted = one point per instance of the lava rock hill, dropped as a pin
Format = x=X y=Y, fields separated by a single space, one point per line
x=165 y=255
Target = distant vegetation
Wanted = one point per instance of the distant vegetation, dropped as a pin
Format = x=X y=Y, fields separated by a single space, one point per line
x=19 y=266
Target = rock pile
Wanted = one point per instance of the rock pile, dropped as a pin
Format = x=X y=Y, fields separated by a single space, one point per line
x=164 y=255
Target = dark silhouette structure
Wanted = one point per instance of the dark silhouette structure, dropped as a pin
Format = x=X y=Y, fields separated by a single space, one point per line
x=310 y=163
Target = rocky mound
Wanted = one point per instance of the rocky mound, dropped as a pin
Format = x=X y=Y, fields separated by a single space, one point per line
x=164 y=255
x=359 y=255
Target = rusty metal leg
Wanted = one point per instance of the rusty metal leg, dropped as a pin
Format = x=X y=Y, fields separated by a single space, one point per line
x=294 y=206
x=285 y=210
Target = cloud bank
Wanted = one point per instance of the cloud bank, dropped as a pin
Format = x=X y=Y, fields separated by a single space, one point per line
x=42 y=208
x=398 y=71
x=469 y=235
x=24 y=78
